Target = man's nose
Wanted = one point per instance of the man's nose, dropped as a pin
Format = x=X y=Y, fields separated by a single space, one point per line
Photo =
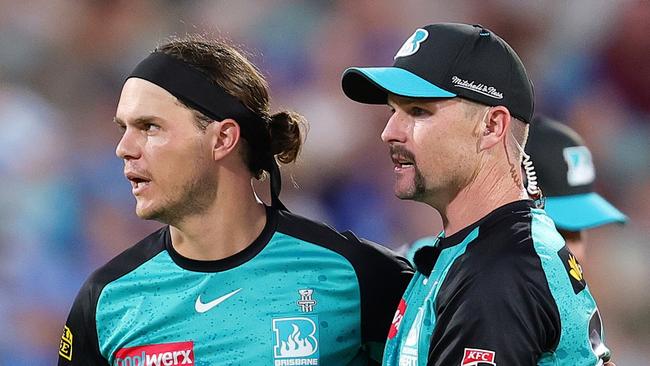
x=128 y=148
x=394 y=130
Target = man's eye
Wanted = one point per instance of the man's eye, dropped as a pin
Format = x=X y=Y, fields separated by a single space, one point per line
x=418 y=112
x=151 y=127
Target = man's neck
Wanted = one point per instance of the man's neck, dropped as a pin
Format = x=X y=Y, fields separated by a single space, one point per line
x=231 y=224
x=490 y=189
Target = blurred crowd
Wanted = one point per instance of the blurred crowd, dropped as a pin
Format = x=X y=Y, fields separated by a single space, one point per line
x=65 y=207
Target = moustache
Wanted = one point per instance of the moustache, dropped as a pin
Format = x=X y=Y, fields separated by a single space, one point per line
x=402 y=152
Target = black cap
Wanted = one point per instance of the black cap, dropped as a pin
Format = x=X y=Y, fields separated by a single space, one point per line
x=566 y=174
x=448 y=60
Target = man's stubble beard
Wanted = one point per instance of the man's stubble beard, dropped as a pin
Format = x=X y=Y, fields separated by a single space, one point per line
x=196 y=197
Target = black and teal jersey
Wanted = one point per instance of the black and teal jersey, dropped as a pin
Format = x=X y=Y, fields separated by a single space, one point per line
x=301 y=294
x=417 y=245
x=503 y=291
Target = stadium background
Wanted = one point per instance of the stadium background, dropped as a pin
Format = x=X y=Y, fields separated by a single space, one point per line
x=65 y=208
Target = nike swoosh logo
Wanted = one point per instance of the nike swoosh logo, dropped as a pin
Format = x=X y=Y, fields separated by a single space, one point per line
x=203 y=307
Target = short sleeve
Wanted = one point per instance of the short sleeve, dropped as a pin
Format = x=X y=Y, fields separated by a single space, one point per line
x=79 y=344
x=507 y=317
x=383 y=277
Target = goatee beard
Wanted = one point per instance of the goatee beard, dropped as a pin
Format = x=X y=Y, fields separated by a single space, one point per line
x=419 y=185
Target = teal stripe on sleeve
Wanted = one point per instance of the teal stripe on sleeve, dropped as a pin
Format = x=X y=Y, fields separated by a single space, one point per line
x=576 y=310
x=446 y=259
x=411 y=345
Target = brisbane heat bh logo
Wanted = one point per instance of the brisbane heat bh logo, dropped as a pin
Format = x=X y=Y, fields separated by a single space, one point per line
x=580 y=166
x=296 y=341
x=412 y=45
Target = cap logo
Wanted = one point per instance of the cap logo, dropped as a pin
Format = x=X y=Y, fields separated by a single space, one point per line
x=480 y=88
x=412 y=45
x=580 y=166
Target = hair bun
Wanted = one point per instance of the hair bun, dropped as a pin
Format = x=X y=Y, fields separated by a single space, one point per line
x=286 y=139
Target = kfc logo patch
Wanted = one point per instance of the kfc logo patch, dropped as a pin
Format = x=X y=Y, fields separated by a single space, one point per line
x=397 y=319
x=478 y=357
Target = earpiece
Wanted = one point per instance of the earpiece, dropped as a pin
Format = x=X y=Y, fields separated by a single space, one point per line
x=531 y=177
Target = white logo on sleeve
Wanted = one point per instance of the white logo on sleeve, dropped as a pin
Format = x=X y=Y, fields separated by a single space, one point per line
x=409 y=351
x=580 y=165
x=203 y=307
x=412 y=45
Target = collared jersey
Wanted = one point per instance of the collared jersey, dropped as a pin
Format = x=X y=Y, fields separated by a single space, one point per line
x=503 y=291
x=301 y=294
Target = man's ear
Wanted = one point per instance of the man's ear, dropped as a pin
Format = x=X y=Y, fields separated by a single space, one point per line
x=495 y=127
x=225 y=136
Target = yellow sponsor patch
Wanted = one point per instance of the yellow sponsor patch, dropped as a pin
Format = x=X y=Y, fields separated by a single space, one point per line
x=576 y=269
x=573 y=269
x=65 y=347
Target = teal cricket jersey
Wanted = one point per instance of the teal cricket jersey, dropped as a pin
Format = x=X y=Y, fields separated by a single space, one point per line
x=503 y=291
x=301 y=294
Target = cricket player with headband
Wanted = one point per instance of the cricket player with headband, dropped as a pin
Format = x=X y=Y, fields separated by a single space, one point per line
x=228 y=280
x=499 y=286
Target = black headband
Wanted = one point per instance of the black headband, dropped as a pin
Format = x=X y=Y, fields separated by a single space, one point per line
x=195 y=89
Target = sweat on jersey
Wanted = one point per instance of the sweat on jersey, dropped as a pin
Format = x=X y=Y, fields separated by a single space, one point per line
x=503 y=291
x=300 y=294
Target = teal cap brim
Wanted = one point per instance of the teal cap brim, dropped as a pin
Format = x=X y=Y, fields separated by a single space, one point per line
x=582 y=211
x=372 y=85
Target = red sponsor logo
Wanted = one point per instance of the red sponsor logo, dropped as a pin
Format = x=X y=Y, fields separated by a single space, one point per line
x=164 y=354
x=397 y=319
x=476 y=357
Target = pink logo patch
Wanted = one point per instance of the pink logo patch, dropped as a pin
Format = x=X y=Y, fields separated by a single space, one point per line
x=164 y=354
x=397 y=319
x=478 y=357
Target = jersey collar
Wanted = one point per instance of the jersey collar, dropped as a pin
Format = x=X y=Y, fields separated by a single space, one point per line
x=425 y=258
x=234 y=260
